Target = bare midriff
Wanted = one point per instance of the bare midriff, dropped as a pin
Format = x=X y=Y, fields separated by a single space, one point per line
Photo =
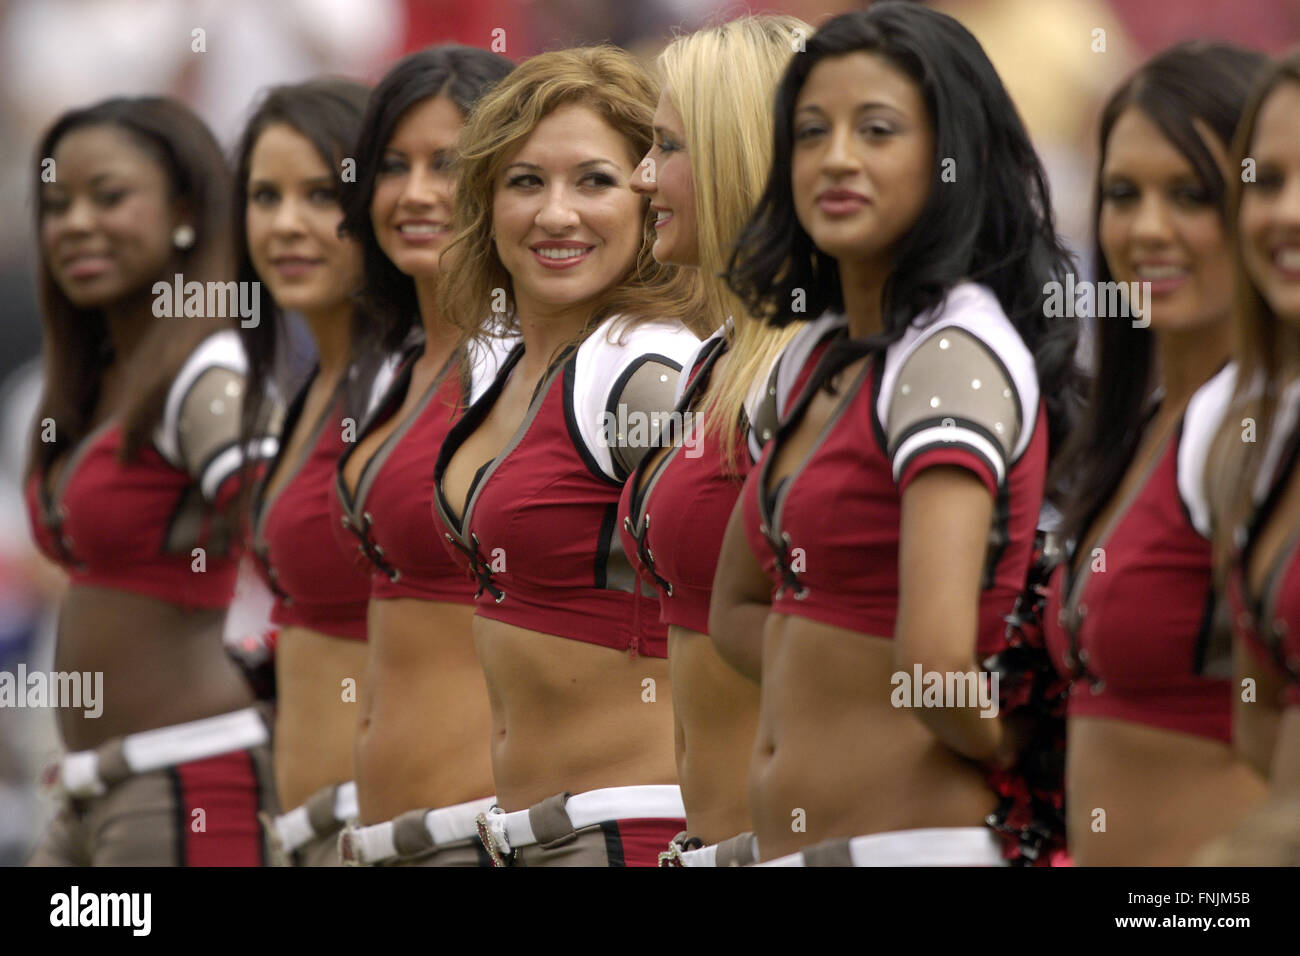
x=567 y=715
x=715 y=714
x=1144 y=796
x=161 y=664
x=422 y=740
x=320 y=695
x=834 y=758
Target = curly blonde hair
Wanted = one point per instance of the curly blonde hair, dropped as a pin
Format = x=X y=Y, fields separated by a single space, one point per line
x=614 y=85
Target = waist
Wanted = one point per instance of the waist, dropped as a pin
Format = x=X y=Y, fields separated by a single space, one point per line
x=90 y=773
x=413 y=834
x=938 y=846
x=552 y=820
x=323 y=814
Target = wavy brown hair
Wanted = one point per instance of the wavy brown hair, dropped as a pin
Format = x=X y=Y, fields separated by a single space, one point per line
x=1267 y=348
x=614 y=85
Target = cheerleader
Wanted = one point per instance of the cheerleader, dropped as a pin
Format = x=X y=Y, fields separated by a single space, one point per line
x=287 y=182
x=134 y=466
x=550 y=237
x=1264 y=502
x=1130 y=617
x=423 y=768
x=888 y=528
x=703 y=175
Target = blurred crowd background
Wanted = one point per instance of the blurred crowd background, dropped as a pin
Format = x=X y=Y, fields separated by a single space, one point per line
x=57 y=54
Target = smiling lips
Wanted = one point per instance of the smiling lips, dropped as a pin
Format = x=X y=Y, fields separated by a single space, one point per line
x=85 y=265
x=294 y=266
x=662 y=216
x=561 y=255
x=422 y=232
x=1163 y=277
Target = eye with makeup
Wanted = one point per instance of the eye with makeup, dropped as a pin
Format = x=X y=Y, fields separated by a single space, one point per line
x=877 y=129
x=263 y=195
x=1190 y=194
x=391 y=165
x=1269 y=179
x=807 y=131
x=324 y=196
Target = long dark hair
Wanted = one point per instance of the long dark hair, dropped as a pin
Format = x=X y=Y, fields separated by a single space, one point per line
x=1190 y=82
x=77 y=347
x=996 y=229
x=462 y=74
x=328 y=113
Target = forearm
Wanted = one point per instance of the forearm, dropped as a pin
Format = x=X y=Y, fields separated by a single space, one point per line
x=736 y=629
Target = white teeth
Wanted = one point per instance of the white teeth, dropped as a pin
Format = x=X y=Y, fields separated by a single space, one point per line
x=421 y=228
x=560 y=253
x=1288 y=258
x=663 y=215
x=1156 y=273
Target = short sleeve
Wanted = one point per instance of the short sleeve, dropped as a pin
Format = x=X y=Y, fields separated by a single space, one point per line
x=961 y=390
x=621 y=392
x=200 y=426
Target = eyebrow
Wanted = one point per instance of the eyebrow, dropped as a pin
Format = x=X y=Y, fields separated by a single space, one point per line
x=583 y=165
x=860 y=108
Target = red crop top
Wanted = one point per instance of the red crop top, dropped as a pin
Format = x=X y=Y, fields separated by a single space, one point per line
x=673 y=517
x=388 y=528
x=315 y=583
x=540 y=530
x=960 y=389
x=135 y=525
x=1132 y=626
x=1269 y=622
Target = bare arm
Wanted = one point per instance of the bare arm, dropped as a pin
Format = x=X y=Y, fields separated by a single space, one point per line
x=946 y=514
x=742 y=598
x=1255 y=721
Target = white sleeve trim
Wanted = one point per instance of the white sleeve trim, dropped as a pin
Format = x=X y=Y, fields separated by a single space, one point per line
x=600 y=364
x=220 y=350
x=949 y=435
x=974 y=309
x=1201 y=421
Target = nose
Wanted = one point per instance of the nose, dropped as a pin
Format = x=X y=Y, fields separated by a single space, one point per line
x=422 y=188
x=288 y=217
x=557 y=213
x=839 y=159
x=78 y=217
x=644 y=180
x=1151 y=219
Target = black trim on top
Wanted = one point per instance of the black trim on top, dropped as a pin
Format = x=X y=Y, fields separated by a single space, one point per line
x=571 y=424
x=466 y=426
x=937 y=421
x=903 y=465
x=608 y=528
x=1182 y=505
x=612 y=401
x=179 y=829
x=395 y=394
x=1203 y=632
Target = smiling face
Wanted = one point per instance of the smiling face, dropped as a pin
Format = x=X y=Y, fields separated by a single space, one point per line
x=293 y=217
x=863 y=157
x=1159 y=225
x=106 y=223
x=411 y=208
x=568 y=226
x=1269 y=218
x=665 y=176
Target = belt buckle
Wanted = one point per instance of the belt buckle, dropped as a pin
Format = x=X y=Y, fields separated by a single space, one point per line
x=491 y=834
x=672 y=856
x=350 y=852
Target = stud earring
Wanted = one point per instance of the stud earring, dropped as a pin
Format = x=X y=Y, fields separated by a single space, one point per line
x=183 y=237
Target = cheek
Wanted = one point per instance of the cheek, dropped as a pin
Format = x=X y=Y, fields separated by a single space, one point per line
x=382 y=202
x=1111 y=232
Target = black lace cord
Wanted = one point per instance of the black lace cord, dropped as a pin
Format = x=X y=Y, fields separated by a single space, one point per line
x=644 y=554
x=780 y=549
x=366 y=543
x=481 y=570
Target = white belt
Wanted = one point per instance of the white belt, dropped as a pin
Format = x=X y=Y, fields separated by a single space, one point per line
x=945 y=846
x=510 y=831
x=708 y=855
x=79 y=773
x=294 y=829
x=366 y=846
